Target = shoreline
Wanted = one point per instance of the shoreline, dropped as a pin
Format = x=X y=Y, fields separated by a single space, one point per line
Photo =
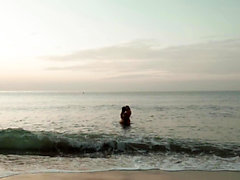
x=130 y=175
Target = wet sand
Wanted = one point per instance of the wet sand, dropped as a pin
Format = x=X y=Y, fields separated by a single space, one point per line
x=131 y=175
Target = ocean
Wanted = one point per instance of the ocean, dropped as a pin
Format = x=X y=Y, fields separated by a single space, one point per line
x=80 y=132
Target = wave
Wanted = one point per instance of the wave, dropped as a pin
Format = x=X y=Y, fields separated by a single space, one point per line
x=20 y=141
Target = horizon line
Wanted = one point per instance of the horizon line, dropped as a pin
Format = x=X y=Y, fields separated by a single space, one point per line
x=80 y=91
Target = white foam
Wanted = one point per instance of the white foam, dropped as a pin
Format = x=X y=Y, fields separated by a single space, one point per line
x=15 y=164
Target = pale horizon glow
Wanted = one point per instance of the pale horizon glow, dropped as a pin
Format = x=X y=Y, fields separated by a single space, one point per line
x=91 y=45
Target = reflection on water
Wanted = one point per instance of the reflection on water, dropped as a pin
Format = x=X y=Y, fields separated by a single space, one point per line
x=201 y=115
x=208 y=117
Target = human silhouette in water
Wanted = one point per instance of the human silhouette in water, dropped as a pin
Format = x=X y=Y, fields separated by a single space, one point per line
x=125 y=115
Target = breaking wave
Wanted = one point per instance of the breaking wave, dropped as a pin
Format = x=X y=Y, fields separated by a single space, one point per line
x=20 y=141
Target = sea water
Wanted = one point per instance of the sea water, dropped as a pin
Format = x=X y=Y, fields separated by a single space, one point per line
x=80 y=132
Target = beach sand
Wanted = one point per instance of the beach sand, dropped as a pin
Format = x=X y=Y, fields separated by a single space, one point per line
x=131 y=175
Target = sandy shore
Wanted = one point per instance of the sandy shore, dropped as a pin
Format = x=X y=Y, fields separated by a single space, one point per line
x=131 y=175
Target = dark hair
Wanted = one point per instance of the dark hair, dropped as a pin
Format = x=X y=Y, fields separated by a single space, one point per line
x=127 y=107
x=123 y=109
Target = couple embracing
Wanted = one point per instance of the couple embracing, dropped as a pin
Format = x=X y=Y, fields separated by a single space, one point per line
x=125 y=115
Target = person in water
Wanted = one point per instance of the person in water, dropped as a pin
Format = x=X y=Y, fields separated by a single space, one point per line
x=125 y=115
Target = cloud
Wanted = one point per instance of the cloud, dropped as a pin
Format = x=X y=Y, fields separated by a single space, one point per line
x=147 y=58
x=139 y=49
x=218 y=57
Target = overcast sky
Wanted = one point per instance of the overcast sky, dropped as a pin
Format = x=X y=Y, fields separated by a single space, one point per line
x=119 y=45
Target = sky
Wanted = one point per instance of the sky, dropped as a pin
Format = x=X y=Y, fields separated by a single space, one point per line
x=119 y=45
